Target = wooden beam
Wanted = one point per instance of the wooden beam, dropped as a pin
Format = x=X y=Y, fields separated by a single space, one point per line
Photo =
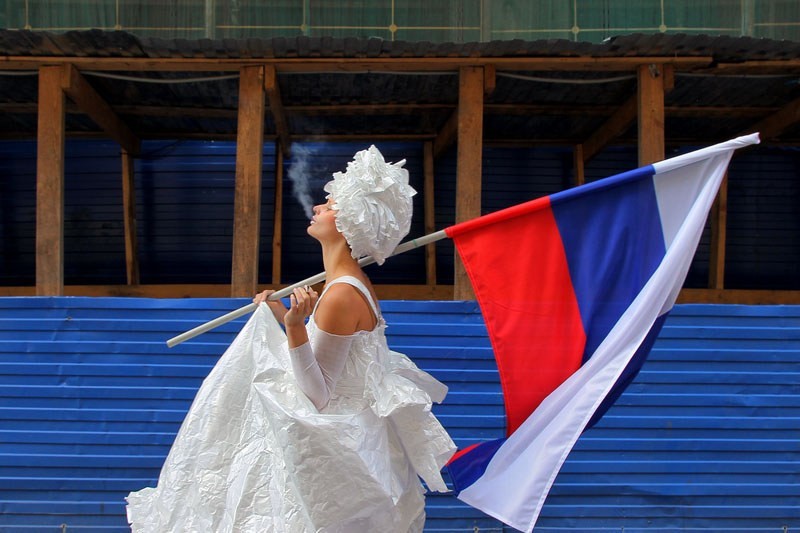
x=650 y=107
x=733 y=296
x=430 y=213
x=669 y=77
x=129 y=216
x=778 y=122
x=277 y=232
x=384 y=292
x=409 y=109
x=767 y=66
x=365 y=109
x=719 y=230
x=90 y=102
x=391 y=292
x=616 y=125
x=277 y=110
x=446 y=136
x=578 y=164
x=469 y=161
x=335 y=65
x=489 y=80
x=50 y=184
x=247 y=195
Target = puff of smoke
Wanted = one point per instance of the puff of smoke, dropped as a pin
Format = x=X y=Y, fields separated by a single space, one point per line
x=300 y=176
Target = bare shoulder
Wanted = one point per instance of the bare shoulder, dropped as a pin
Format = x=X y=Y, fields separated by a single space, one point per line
x=338 y=312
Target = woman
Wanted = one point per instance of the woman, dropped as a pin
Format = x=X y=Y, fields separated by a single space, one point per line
x=324 y=428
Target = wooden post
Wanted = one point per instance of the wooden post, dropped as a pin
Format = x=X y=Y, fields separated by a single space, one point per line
x=50 y=184
x=468 y=172
x=650 y=102
x=247 y=197
x=578 y=165
x=719 y=223
x=277 y=109
x=129 y=215
x=430 y=218
x=277 y=232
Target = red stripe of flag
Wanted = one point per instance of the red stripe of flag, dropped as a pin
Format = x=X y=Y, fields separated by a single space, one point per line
x=527 y=300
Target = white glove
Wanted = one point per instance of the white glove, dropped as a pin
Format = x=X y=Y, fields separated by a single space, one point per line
x=317 y=368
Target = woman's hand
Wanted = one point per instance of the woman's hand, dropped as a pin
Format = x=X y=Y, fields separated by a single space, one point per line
x=302 y=302
x=276 y=306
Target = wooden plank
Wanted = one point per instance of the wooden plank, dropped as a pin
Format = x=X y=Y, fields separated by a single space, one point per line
x=719 y=227
x=430 y=213
x=384 y=292
x=650 y=104
x=389 y=292
x=579 y=165
x=409 y=109
x=90 y=102
x=277 y=232
x=277 y=110
x=766 y=66
x=50 y=184
x=247 y=195
x=469 y=161
x=129 y=215
x=739 y=296
x=489 y=80
x=385 y=64
x=778 y=122
x=622 y=119
x=446 y=136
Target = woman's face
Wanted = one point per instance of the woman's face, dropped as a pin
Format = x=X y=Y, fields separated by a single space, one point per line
x=323 y=223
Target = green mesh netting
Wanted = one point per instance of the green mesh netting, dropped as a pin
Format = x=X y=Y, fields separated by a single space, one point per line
x=412 y=20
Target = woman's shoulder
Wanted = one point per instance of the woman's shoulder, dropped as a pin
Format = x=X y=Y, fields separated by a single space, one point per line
x=335 y=312
x=340 y=294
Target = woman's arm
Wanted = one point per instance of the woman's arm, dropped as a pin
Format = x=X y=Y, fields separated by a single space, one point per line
x=318 y=364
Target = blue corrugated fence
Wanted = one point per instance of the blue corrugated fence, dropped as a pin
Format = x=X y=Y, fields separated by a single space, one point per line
x=707 y=438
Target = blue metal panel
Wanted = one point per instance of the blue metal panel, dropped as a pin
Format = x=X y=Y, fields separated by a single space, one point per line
x=705 y=439
x=91 y=398
x=184 y=194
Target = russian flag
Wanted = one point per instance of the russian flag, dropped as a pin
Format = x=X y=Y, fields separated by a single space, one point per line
x=574 y=289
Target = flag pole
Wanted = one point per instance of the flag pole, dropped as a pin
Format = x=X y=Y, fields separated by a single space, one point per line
x=249 y=308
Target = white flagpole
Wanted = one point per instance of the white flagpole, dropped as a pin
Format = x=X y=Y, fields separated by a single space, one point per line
x=249 y=308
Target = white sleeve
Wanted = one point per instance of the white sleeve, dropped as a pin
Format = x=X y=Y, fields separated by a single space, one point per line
x=317 y=367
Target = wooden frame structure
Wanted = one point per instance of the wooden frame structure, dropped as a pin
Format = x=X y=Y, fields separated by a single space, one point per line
x=61 y=85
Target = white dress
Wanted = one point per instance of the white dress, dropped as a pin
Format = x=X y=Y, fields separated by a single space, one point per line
x=254 y=454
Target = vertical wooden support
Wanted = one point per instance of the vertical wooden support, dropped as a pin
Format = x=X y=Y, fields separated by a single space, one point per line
x=651 y=113
x=129 y=215
x=277 y=232
x=719 y=222
x=50 y=184
x=430 y=219
x=578 y=165
x=247 y=197
x=468 y=173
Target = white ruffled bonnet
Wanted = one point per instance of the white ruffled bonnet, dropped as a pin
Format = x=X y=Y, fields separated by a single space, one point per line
x=373 y=200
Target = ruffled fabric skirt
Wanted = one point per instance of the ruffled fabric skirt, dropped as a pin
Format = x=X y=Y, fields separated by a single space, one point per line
x=253 y=453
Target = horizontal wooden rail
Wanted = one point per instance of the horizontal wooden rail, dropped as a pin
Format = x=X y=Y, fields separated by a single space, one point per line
x=389 y=292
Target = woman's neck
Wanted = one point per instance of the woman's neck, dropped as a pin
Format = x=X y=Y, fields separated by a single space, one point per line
x=338 y=261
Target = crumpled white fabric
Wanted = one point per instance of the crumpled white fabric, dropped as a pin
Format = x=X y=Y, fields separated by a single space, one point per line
x=254 y=454
x=373 y=200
